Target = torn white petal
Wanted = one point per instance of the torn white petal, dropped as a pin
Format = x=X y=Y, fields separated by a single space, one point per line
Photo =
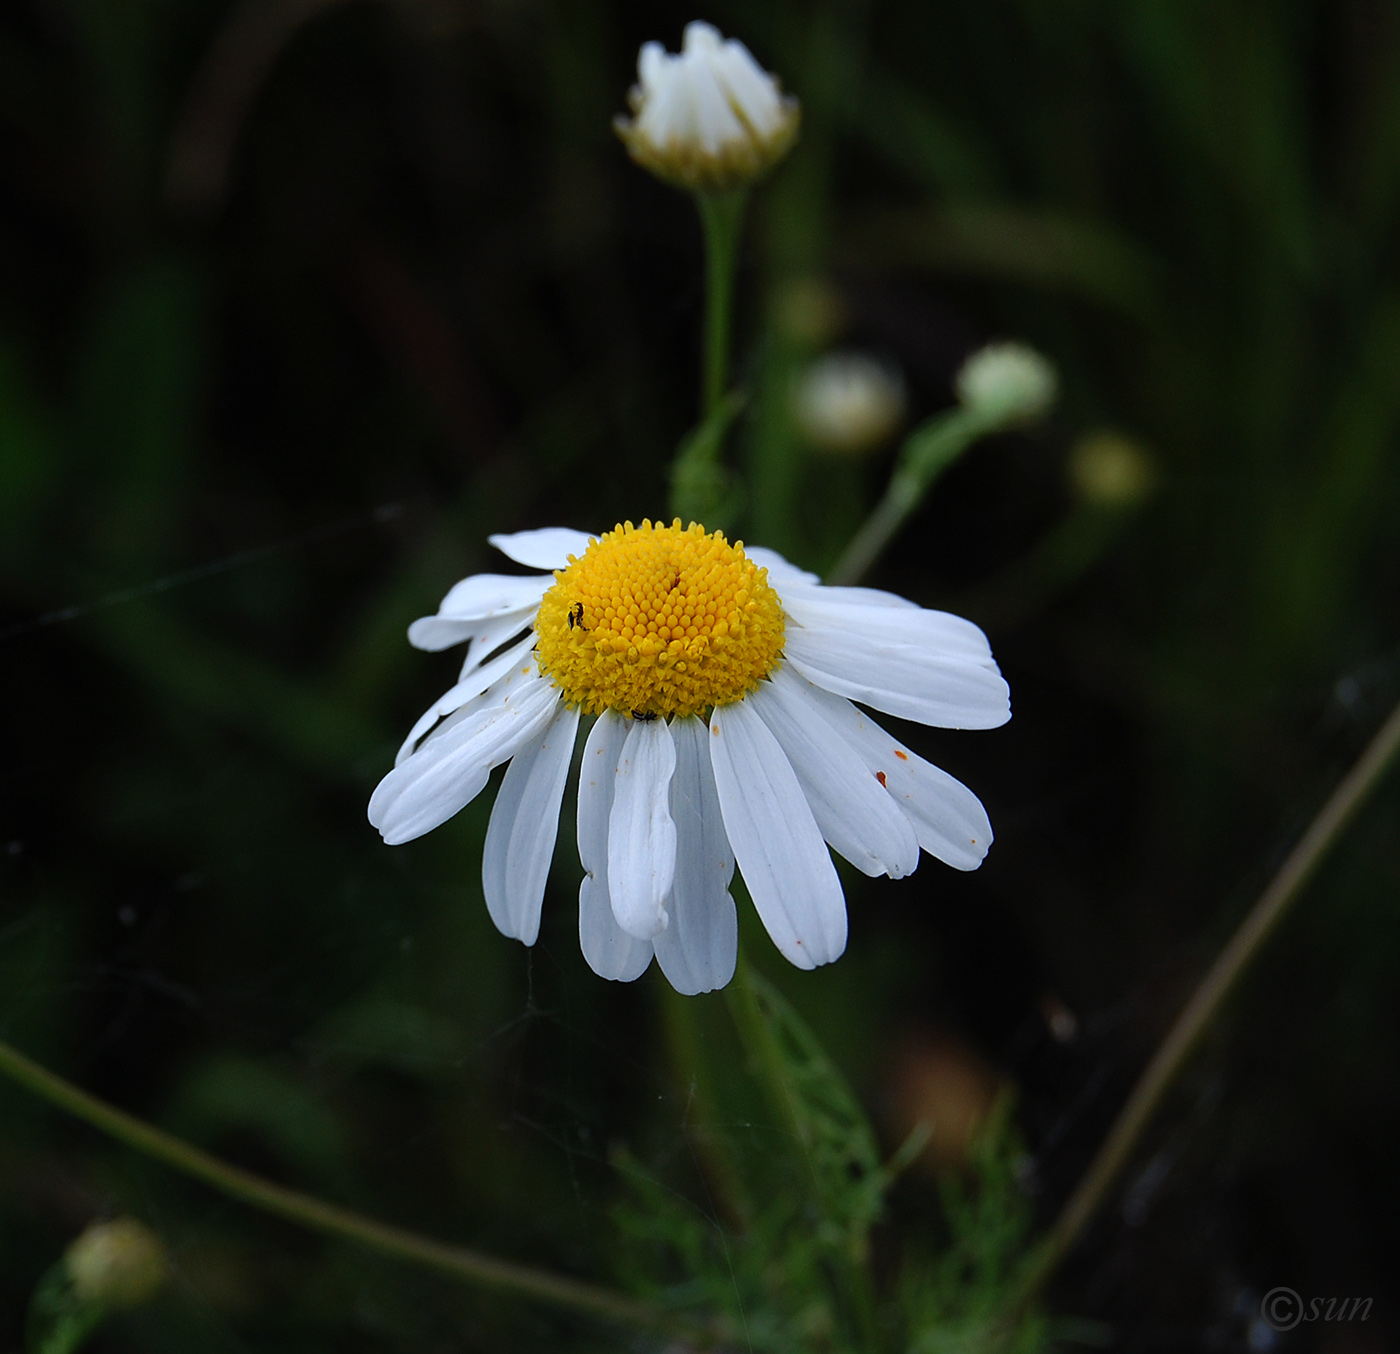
x=854 y=813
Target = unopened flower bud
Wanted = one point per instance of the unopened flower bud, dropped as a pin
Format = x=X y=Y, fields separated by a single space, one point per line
x=849 y=403
x=709 y=117
x=1007 y=382
x=1110 y=470
x=119 y=1263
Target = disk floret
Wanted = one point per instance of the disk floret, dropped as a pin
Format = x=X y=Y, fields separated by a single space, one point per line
x=659 y=621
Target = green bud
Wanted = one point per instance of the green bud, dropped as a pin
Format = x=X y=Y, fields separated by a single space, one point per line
x=1007 y=383
x=119 y=1263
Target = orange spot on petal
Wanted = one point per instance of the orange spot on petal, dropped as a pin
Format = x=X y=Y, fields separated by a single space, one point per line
x=903 y=756
x=880 y=776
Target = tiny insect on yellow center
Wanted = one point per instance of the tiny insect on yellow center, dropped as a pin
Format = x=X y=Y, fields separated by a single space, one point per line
x=659 y=621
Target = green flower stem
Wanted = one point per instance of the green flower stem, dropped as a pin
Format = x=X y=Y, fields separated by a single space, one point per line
x=701 y=488
x=685 y=1038
x=722 y=218
x=930 y=449
x=1205 y=1003
x=756 y=1034
x=470 y=1266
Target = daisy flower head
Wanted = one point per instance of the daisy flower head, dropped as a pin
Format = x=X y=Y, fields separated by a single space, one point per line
x=708 y=117
x=721 y=682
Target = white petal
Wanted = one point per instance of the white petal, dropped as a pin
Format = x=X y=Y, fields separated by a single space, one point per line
x=544 y=548
x=870 y=597
x=786 y=576
x=472 y=685
x=697 y=951
x=651 y=66
x=660 y=120
x=609 y=950
x=484 y=595
x=855 y=815
x=780 y=570
x=949 y=692
x=641 y=833
x=474 y=601
x=779 y=848
x=491 y=634
x=940 y=633
x=947 y=817
x=700 y=38
x=435 y=633
x=750 y=87
x=716 y=122
x=524 y=824
x=450 y=770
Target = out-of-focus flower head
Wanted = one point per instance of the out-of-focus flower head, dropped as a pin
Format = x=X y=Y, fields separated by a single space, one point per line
x=1110 y=470
x=709 y=117
x=119 y=1263
x=848 y=403
x=1009 y=383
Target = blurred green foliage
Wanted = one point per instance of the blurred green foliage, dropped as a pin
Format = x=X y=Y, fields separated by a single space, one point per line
x=360 y=283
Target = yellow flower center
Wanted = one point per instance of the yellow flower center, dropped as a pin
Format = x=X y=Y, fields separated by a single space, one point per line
x=656 y=620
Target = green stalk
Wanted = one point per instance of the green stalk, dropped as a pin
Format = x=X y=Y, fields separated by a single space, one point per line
x=930 y=449
x=701 y=490
x=756 y=1034
x=686 y=1045
x=470 y=1266
x=722 y=219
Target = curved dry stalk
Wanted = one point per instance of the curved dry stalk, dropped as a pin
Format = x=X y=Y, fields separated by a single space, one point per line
x=457 y=1261
x=1205 y=1003
x=236 y=67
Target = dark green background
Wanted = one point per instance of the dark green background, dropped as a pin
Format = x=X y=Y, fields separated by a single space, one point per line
x=423 y=296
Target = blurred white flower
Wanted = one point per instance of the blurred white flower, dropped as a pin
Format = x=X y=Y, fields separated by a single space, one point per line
x=709 y=117
x=1009 y=383
x=119 y=1263
x=848 y=402
x=722 y=680
x=1110 y=470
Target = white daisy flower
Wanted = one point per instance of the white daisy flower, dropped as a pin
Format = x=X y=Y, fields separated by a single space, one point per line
x=722 y=681
x=709 y=117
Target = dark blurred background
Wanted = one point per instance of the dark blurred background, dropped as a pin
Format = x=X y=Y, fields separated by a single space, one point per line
x=299 y=300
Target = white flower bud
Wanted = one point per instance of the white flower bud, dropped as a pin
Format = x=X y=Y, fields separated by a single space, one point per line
x=119 y=1263
x=1008 y=382
x=848 y=403
x=1111 y=471
x=709 y=117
